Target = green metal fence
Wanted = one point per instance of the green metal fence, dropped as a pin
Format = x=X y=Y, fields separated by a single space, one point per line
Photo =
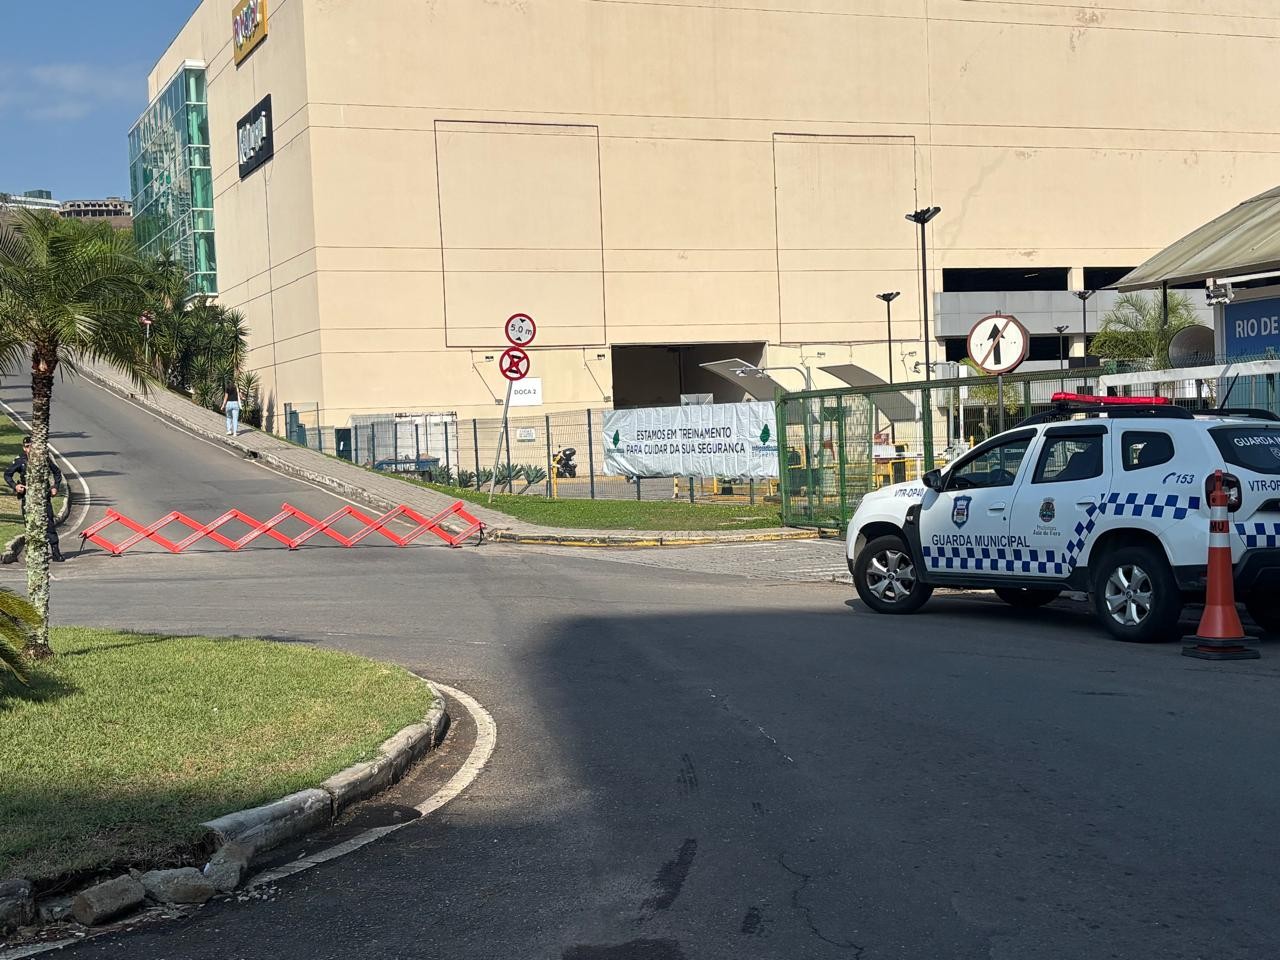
x=835 y=446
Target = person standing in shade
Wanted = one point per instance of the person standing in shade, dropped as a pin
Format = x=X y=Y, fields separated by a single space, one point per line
x=231 y=406
x=16 y=477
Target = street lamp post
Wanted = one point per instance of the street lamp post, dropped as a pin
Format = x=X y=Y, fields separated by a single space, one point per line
x=1084 y=296
x=922 y=217
x=1062 y=355
x=888 y=299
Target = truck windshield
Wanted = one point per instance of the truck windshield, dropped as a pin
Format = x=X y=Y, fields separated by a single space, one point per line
x=1253 y=448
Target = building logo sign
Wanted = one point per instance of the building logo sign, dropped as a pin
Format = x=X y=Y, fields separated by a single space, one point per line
x=1252 y=329
x=255 y=143
x=248 y=27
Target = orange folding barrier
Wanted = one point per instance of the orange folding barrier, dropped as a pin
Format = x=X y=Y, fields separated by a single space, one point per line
x=462 y=527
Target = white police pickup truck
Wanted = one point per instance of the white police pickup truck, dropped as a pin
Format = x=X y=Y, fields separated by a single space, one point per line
x=1104 y=495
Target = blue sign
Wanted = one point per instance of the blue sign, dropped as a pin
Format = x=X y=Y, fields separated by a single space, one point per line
x=1252 y=328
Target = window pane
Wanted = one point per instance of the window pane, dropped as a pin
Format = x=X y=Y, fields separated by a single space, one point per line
x=1070 y=458
x=1143 y=449
x=997 y=467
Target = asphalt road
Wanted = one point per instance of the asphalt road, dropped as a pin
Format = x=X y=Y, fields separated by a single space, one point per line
x=698 y=765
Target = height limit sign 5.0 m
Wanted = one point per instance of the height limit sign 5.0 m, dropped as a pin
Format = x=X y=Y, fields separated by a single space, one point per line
x=998 y=343
x=521 y=330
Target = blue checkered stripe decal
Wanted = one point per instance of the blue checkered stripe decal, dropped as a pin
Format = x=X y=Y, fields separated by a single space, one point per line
x=1060 y=563
x=1157 y=505
x=1257 y=535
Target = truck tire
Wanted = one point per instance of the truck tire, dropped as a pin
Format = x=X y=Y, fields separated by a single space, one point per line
x=1265 y=612
x=1135 y=595
x=1025 y=598
x=885 y=577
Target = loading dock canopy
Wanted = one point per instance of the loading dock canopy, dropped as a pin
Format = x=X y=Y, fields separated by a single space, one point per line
x=892 y=403
x=757 y=384
x=1243 y=241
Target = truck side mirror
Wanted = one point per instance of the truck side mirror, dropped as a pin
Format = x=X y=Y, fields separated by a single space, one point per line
x=933 y=480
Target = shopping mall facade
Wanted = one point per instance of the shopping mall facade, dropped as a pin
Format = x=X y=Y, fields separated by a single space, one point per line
x=378 y=186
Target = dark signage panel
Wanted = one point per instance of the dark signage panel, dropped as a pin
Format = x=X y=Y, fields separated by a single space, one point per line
x=255 y=142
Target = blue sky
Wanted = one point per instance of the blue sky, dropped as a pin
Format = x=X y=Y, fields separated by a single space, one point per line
x=72 y=88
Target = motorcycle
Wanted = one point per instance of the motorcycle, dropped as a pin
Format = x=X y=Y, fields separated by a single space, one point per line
x=563 y=463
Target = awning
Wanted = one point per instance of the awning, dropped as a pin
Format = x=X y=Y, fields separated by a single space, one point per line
x=747 y=376
x=892 y=403
x=1243 y=241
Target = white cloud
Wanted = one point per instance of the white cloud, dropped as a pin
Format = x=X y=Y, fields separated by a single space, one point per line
x=64 y=92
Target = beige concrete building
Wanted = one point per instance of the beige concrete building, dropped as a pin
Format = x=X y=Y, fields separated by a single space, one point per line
x=661 y=183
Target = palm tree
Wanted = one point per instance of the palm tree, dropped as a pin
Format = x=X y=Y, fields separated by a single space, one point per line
x=70 y=292
x=1136 y=328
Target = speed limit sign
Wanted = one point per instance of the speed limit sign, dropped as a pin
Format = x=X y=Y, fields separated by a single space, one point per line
x=521 y=329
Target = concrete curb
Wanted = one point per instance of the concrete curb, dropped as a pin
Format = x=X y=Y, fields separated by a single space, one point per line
x=630 y=540
x=258 y=829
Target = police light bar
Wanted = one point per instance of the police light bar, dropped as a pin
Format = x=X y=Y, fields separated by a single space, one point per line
x=1117 y=401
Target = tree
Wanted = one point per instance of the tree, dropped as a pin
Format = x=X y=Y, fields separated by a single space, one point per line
x=1136 y=329
x=70 y=292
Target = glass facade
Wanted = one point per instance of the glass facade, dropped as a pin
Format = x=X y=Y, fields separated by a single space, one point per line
x=172 y=179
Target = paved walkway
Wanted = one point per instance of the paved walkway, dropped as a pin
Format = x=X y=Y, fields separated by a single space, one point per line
x=384 y=492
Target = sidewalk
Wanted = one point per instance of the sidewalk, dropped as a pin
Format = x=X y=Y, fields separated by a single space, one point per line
x=385 y=492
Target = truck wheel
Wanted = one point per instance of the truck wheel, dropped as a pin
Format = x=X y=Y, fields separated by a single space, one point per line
x=1025 y=598
x=885 y=577
x=1265 y=612
x=1136 y=596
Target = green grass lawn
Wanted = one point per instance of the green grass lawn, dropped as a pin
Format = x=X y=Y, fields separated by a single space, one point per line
x=622 y=514
x=132 y=740
x=10 y=446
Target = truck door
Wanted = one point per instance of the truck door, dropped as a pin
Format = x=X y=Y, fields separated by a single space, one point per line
x=1057 y=499
x=965 y=527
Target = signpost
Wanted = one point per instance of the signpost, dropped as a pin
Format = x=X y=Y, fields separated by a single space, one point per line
x=514 y=366
x=998 y=344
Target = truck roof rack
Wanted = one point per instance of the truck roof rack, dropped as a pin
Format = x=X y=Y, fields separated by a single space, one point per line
x=1255 y=412
x=1066 y=405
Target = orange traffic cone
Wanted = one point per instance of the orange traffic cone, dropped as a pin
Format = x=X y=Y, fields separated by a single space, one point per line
x=1220 y=635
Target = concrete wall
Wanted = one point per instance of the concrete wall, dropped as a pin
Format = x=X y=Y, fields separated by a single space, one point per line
x=630 y=172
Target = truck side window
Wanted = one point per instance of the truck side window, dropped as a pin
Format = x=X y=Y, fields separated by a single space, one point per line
x=1070 y=458
x=997 y=467
x=1144 y=449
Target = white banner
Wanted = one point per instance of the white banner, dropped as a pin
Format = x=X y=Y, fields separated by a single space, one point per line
x=730 y=440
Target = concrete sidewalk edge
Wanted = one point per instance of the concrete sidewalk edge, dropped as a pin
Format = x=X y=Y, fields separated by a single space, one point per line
x=258 y=829
x=629 y=540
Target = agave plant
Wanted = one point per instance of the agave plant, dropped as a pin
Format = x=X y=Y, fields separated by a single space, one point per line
x=443 y=475
x=483 y=478
x=466 y=478
x=508 y=474
x=532 y=474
